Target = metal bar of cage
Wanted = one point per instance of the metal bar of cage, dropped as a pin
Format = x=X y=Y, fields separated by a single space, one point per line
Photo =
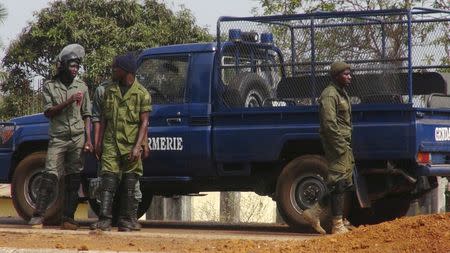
x=313 y=59
x=305 y=16
x=372 y=69
x=410 y=90
x=349 y=24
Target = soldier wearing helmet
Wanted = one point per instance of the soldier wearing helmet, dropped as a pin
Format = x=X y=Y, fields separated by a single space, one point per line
x=68 y=108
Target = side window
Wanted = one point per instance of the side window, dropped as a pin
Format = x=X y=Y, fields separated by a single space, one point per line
x=165 y=78
x=265 y=63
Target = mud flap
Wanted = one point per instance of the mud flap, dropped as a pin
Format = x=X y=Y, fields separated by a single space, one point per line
x=361 y=189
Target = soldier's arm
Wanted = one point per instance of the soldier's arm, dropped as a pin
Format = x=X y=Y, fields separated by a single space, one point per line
x=99 y=137
x=136 y=151
x=56 y=109
x=146 y=106
x=88 y=143
x=145 y=146
x=97 y=104
x=97 y=112
x=86 y=114
x=329 y=124
x=144 y=109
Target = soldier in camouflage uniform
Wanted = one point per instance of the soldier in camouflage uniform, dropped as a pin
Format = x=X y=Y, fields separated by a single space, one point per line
x=123 y=127
x=336 y=135
x=68 y=108
x=97 y=102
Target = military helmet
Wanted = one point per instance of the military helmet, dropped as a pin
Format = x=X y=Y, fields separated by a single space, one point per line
x=71 y=52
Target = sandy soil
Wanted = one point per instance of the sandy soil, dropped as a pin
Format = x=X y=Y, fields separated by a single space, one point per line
x=430 y=233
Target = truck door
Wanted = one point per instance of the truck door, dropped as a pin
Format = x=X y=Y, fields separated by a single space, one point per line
x=167 y=79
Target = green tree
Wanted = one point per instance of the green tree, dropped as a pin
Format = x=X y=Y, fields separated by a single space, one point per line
x=366 y=39
x=3 y=14
x=104 y=27
x=273 y=7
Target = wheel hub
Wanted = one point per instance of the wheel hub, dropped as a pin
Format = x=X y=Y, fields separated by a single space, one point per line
x=32 y=188
x=308 y=191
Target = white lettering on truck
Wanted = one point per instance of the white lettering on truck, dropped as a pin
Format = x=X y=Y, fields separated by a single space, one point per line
x=165 y=143
x=442 y=133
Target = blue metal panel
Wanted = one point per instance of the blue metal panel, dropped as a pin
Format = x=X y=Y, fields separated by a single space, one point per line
x=383 y=132
x=249 y=134
x=201 y=76
x=428 y=126
x=30 y=119
x=179 y=49
x=5 y=161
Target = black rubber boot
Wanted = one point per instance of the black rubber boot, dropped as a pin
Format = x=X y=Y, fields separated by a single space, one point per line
x=135 y=225
x=337 y=208
x=108 y=186
x=72 y=184
x=128 y=203
x=47 y=184
x=337 y=203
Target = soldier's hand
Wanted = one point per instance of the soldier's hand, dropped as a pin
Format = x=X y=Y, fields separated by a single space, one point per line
x=98 y=151
x=76 y=97
x=135 y=154
x=88 y=148
x=146 y=151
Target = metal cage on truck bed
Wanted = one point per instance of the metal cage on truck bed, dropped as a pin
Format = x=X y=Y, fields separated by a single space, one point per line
x=397 y=56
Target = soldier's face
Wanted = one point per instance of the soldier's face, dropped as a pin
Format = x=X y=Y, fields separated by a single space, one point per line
x=344 y=78
x=73 y=68
x=117 y=73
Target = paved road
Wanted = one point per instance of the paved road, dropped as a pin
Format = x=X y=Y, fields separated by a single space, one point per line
x=156 y=236
x=210 y=230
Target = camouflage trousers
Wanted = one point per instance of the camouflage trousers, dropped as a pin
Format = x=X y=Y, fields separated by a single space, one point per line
x=341 y=168
x=65 y=155
x=95 y=185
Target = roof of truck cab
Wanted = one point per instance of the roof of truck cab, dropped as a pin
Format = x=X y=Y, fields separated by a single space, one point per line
x=180 y=48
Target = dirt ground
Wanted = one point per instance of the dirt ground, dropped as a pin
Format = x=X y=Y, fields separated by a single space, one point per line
x=425 y=233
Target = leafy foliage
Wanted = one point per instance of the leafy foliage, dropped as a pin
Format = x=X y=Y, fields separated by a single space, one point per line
x=3 y=14
x=104 y=27
x=364 y=42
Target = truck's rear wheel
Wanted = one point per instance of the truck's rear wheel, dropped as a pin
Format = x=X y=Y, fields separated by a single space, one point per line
x=300 y=185
x=24 y=188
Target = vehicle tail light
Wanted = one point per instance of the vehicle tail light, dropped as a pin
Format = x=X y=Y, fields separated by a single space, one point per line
x=423 y=157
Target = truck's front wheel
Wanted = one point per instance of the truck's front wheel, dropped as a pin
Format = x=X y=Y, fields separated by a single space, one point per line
x=24 y=188
x=300 y=185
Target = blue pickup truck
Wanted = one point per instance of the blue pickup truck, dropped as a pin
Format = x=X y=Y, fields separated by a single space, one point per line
x=241 y=114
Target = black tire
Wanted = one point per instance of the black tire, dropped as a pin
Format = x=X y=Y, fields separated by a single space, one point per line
x=385 y=209
x=300 y=185
x=142 y=209
x=24 y=189
x=247 y=90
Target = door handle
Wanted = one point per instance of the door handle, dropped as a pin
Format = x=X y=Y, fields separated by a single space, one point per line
x=172 y=121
